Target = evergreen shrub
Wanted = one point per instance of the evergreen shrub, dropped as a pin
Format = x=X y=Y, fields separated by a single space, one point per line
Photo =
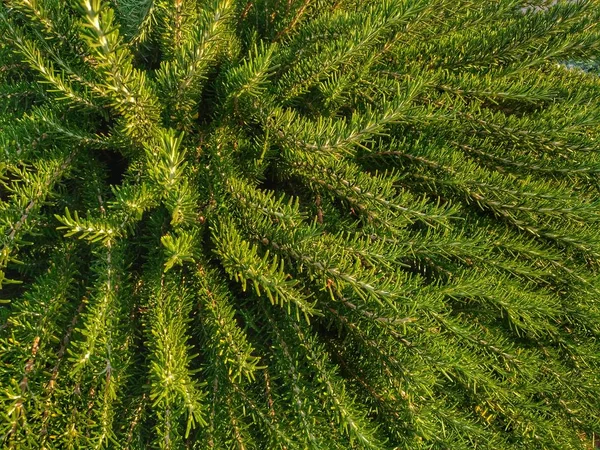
x=299 y=224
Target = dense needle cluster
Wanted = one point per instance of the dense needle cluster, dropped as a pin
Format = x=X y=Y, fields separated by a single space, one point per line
x=299 y=224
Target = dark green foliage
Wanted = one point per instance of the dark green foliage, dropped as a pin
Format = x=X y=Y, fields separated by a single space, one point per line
x=299 y=224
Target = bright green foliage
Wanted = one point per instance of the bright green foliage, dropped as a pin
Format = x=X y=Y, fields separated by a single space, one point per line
x=299 y=224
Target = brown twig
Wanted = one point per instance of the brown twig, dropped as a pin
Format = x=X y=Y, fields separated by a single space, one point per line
x=294 y=21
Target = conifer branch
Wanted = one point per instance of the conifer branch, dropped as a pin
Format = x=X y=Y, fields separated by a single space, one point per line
x=233 y=346
x=129 y=88
x=174 y=392
x=28 y=196
x=243 y=263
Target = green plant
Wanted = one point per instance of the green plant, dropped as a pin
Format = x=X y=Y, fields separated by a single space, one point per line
x=299 y=224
